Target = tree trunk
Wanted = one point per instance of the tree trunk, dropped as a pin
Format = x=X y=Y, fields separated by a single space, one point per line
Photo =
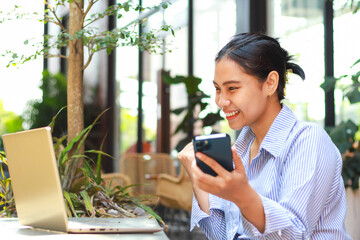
x=75 y=109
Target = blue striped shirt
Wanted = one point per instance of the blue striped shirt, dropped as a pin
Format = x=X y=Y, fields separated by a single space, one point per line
x=297 y=173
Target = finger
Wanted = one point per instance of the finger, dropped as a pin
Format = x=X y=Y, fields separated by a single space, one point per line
x=213 y=164
x=202 y=180
x=237 y=160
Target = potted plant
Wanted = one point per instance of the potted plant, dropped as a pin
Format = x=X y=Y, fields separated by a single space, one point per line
x=86 y=195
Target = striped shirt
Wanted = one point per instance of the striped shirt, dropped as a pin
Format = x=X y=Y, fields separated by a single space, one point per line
x=297 y=173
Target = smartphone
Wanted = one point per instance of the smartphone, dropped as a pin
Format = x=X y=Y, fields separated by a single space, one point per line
x=216 y=146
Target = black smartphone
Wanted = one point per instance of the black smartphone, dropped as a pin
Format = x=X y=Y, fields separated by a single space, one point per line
x=216 y=146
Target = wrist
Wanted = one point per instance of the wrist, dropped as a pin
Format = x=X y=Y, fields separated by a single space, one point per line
x=251 y=207
x=247 y=198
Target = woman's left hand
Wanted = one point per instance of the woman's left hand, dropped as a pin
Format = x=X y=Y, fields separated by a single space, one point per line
x=227 y=185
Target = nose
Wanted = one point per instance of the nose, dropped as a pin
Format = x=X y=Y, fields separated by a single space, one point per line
x=223 y=102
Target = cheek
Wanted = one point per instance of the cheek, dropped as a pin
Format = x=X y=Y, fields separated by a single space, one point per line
x=254 y=106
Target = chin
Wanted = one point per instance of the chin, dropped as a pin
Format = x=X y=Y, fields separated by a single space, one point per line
x=236 y=126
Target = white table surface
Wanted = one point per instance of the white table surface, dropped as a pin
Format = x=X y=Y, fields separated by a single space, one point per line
x=10 y=229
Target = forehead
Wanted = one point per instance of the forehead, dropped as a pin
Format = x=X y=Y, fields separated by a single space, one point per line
x=228 y=71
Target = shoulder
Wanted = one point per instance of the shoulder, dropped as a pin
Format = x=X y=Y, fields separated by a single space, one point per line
x=310 y=133
x=313 y=143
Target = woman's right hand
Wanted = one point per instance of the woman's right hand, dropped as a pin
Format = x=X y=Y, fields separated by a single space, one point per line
x=187 y=157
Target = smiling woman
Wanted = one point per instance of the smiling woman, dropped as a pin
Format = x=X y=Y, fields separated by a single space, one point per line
x=287 y=178
x=20 y=83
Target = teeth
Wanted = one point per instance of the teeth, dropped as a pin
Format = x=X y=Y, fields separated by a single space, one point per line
x=229 y=114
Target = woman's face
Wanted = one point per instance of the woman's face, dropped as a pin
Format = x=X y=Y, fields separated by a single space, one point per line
x=242 y=97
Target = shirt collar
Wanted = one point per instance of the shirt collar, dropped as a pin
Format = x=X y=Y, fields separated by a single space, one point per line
x=279 y=131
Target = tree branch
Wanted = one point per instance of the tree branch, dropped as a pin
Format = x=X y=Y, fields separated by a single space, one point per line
x=91 y=54
x=91 y=3
x=55 y=55
x=95 y=19
x=78 y=6
x=58 y=21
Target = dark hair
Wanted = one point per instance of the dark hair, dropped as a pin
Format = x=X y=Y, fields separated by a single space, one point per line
x=260 y=54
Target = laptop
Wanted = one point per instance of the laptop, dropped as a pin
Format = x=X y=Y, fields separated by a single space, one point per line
x=38 y=194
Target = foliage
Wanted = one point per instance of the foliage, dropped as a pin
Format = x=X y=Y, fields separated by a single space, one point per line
x=9 y=122
x=196 y=100
x=92 y=38
x=7 y=203
x=87 y=195
x=39 y=111
x=354 y=5
x=345 y=134
x=82 y=33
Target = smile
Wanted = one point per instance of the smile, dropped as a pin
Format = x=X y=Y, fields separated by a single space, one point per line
x=230 y=114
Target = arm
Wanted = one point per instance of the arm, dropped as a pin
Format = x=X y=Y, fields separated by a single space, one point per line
x=187 y=159
x=306 y=187
x=206 y=210
x=308 y=183
x=244 y=196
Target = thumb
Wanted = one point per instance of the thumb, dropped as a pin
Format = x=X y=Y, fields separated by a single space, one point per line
x=239 y=166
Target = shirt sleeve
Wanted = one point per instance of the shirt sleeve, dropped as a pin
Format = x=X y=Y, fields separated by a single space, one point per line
x=310 y=180
x=213 y=225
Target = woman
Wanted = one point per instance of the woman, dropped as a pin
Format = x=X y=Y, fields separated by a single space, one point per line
x=287 y=180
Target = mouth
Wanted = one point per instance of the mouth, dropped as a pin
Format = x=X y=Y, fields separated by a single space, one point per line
x=231 y=115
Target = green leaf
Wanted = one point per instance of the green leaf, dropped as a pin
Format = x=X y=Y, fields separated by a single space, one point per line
x=87 y=201
x=358 y=61
x=212 y=118
x=52 y=123
x=343 y=135
x=329 y=84
x=70 y=204
x=353 y=95
x=89 y=170
x=149 y=210
x=2 y=157
x=2 y=171
x=71 y=144
x=192 y=85
x=173 y=80
x=98 y=167
x=178 y=111
x=126 y=6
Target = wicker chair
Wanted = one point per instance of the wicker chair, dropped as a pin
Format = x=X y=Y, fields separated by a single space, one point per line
x=175 y=192
x=116 y=179
x=143 y=169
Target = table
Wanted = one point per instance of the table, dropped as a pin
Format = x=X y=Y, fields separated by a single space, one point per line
x=10 y=229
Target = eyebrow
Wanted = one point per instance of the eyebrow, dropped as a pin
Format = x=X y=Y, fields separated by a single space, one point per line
x=227 y=82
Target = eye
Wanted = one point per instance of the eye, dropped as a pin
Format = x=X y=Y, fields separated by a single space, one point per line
x=233 y=88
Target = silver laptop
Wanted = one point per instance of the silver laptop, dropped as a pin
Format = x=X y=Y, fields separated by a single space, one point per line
x=38 y=194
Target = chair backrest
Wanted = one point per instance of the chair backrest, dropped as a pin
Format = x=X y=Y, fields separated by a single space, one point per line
x=115 y=179
x=175 y=192
x=143 y=169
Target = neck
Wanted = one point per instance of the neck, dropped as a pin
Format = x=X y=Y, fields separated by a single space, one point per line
x=262 y=125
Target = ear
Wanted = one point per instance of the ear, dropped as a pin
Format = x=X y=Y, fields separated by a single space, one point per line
x=271 y=83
